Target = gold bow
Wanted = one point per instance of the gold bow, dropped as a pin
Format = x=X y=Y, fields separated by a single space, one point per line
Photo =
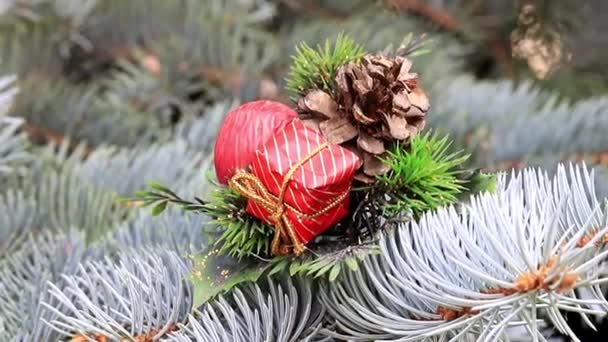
x=253 y=189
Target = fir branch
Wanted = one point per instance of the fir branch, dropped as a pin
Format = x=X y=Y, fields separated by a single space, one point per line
x=26 y=276
x=422 y=178
x=141 y=292
x=14 y=148
x=495 y=122
x=316 y=68
x=506 y=259
x=160 y=196
x=288 y=310
x=240 y=234
x=140 y=164
x=176 y=230
x=8 y=90
x=326 y=262
x=19 y=218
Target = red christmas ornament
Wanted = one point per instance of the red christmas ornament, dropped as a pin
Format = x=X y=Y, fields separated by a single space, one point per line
x=244 y=130
x=299 y=183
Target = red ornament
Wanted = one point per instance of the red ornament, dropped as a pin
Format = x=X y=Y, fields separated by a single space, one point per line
x=298 y=183
x=243 y=131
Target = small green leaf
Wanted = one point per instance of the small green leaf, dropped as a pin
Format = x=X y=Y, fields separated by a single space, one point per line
x=316 y=265
x=278 y=267
x=362 y=256
x=213 y=274
x=324 y=269
x=335 y=271
x=126 y=199
x=294 y=268
x=420 y=52
x=352 y=263
x=159 y=208
x=157 y=186
x=142 y=193
x=162 y=188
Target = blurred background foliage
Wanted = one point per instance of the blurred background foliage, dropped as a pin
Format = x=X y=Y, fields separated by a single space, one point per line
x=99 y=96
x=136 y=72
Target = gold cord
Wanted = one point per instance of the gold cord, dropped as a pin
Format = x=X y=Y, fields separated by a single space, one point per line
x=253 y=189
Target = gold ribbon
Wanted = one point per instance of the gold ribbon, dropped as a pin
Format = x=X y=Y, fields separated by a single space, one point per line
x=253 y=189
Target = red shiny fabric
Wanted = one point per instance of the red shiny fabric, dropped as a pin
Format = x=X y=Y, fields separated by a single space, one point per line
x=243 y=131
x=313 y=186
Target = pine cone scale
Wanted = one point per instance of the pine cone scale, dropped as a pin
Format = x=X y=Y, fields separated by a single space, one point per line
x=375 y=71
x=319 y=102
x=360 y=117
x=338 y=130
x=373 y=165
x=401 y=103
x=414 y=113
x=404 y=70
x=344 y=85
x=419 y=99
x=382 y=61
x=398 y=127
x=370 y=144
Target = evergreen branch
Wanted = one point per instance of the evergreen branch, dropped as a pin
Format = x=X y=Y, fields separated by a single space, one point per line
x=592 y=158
x=14 y=148
x=61 y=199
x=497 y=128
x=160 y=196
x=326 y=262
x=18 y=220
x=267 y=311
x=422 y=178
x=316 y=68
x=139 y=293
x=176 y=230
x=8 y=90
x=510 y=257
x=140 y=164
x=26 y=273
x=240 y=234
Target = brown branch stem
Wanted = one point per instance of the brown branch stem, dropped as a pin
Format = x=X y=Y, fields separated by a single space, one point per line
x=441 y=18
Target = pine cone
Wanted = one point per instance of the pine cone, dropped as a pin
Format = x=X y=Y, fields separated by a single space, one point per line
x=378 y=102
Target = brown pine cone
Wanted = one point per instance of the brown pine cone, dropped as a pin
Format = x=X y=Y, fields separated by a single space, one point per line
x=378 y=103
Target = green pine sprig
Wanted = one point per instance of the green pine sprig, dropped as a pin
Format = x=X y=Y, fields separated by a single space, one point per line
x=240 y=234
x=422 y=177
x=329 y=263
x=159 y=197
x=316 y=68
